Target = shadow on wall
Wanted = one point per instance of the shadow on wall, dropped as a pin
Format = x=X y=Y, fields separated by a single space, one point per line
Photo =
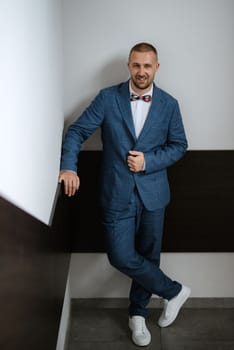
x=112 y=73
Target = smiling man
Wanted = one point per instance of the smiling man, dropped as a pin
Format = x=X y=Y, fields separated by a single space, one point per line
x=142 y=66
x=142 y=135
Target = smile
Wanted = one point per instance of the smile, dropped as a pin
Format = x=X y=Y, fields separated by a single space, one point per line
x=141 y=78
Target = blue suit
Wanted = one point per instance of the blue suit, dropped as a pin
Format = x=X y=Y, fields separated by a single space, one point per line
x=126 y=197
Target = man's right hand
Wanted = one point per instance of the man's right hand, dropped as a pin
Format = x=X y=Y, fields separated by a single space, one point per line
x=71 y=181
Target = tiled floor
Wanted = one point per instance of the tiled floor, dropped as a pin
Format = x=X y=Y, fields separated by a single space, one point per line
x=104 y=327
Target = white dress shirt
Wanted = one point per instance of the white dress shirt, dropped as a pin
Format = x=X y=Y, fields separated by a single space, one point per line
x=140 y=110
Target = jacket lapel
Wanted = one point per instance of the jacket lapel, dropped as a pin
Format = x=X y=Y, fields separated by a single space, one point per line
x=125 y=107
x=154 y=112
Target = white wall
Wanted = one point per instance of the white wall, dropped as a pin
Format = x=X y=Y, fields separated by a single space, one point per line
x=31 y=108
x=208 y=275
x=196 y=52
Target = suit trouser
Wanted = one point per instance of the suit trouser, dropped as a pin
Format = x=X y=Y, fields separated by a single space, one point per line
x=133 y=243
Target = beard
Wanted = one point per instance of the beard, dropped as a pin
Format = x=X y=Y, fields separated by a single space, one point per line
x=141 y=84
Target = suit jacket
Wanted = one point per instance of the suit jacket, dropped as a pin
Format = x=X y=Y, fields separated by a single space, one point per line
x=162 y=140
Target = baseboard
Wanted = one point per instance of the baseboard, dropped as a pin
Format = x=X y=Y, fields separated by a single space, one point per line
x=63 y=334
x=192 y=303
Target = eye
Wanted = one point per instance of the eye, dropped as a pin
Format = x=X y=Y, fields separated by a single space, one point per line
x=147 y=66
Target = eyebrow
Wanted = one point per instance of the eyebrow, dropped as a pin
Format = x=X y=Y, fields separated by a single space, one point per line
x=144 y=64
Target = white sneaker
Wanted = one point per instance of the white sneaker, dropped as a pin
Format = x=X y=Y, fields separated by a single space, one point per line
x=140 y=333
x=172 y=307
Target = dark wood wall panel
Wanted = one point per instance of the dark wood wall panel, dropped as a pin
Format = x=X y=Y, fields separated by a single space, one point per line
x=198 y=219
x=200 y=215
x=34 y=262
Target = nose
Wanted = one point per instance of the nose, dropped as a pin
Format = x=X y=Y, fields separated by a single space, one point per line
x=141 y=70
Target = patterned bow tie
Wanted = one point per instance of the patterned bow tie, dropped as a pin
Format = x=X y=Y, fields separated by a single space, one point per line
x=146 y=98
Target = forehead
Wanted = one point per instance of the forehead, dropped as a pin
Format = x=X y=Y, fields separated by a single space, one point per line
x=142 y=57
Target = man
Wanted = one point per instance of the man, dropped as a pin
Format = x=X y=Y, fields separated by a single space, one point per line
x=142 y=135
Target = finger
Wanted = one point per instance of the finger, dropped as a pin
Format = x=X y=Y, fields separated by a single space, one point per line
x=74 y=185
x=134 y=153
x=71 y=188
x=66 y=186
x=131 y=166
x=131 y=160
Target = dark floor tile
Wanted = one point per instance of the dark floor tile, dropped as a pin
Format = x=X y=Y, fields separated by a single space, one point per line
x=200 y=329
x=102 y=346
x=98 y=325
x=194 y=329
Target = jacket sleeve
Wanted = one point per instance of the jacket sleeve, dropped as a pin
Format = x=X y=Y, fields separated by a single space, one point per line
x=173 y=149
x=79 y=131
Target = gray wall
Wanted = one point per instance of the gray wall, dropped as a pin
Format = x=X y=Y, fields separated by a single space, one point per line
x=196 y=52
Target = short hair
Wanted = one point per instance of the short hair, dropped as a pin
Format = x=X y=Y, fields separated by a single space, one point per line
x=143 y=47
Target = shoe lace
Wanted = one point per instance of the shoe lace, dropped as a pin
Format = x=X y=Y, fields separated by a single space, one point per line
x=139 y=326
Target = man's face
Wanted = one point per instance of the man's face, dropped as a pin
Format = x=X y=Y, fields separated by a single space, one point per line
x=142 y=67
